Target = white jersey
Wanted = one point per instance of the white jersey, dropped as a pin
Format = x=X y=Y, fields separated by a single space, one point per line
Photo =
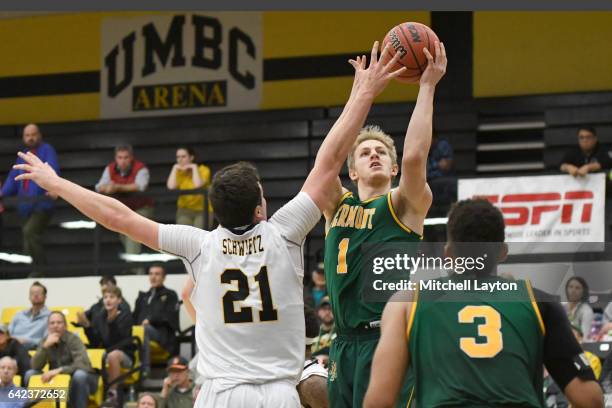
x=248 y=295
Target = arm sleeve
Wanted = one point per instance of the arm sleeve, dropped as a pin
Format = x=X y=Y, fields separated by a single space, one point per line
x=586 y=320
x=142 y=179
x=40 y=358
x=80 y=360
x=182 y=241
x=23 y=359
x=569 y=157
x=296 y=218
x=562 y=353
x=105 y=179
x=10 y=185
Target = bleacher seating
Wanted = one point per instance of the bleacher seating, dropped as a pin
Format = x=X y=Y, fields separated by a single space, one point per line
x=283 y=145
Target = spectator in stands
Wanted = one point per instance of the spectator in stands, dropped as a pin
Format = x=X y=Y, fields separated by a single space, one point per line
x=10 y=347
x=578 y=310
x=318 y=289
x=34 y=209
x=29 y=326
x=320 y=346
x=147 y=400
x=177 y=391
x=85 y=319
x=123 y=176
x=65 y=354
x=112 y=330
x=188 y=175
x=8 y=369
x=440 y=173
x=157 y=311
x=589 y=157
x=607 y=322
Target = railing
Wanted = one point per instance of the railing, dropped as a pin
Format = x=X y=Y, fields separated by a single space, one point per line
x=98 y=264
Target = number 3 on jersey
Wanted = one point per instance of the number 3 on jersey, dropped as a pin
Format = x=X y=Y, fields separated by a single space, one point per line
x=245 y=314
x=490 y=329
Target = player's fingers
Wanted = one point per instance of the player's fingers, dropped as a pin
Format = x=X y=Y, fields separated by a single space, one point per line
x=354 y=63
x=428 y=55
x=384 y=52
x=29 y=157
x=393 y=61
x=364 y=60
x=25 y=167
x=374 y=56
x=442 y=50
x=398 y=72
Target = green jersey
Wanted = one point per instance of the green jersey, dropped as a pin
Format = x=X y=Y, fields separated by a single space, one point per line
x=354 y=223
x=483 y=349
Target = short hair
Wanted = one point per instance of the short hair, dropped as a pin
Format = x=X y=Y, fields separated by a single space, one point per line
x=113 y=290
x=148 y=394
x=57 y=312
x=11 y=360
x=107 y=279
x=235 y=193
x=312 y=321
x=124 y=148
x=583 y=283
x=476 y=221
x=189 y=151
x=157 y=265
x=372 y=132
x=588 y=129
x=37 y=283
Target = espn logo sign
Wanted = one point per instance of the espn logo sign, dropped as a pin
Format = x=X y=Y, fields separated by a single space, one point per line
x=527 y=208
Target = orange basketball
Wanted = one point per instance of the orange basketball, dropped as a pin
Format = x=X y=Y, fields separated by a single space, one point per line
x=409 y=39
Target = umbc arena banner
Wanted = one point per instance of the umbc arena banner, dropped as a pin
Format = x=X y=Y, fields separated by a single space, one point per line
x=545 y=208
x=181 y=63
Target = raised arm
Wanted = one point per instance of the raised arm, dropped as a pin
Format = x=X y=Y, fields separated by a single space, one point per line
x=106 y=211
x=412 y=198
x=390 y=359
x=323 y=184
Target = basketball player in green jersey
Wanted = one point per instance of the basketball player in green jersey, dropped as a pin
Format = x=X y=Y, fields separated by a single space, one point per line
x=377 y=213
x=475 y=349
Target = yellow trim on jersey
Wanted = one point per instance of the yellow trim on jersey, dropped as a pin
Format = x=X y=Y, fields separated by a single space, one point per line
x=412 y=313
x=397 y=220
x=535 y=306
x=369 y=200
x=344 y=197
x=410 y=397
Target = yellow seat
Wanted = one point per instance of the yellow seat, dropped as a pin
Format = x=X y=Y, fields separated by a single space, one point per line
x=137 y=331
x=158 y=353
x=60 y=382
x=96 y=357
x=17 y=380
x=9 y=312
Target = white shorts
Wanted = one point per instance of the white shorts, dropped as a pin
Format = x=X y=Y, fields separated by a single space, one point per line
x=277 y=394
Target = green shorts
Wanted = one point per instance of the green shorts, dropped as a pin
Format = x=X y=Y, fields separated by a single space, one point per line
x=350 y=362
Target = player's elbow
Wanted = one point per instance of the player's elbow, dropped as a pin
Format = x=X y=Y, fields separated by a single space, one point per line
x=584 y=394
x=414 y=158
x=376 y=399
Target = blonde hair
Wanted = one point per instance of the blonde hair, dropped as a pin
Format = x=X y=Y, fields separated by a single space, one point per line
x=372 y=132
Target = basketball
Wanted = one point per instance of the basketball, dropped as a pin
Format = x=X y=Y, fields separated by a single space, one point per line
x=409 y=39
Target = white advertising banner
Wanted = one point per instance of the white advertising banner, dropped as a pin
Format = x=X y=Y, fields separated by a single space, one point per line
x=545 y=208
x=181 y=63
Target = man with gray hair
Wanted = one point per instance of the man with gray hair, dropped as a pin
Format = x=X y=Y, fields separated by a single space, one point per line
x=9 y=392
x=123 y=176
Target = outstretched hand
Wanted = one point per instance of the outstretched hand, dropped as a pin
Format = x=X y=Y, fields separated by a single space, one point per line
x=436 y=68
x=37 y=171
x=377 y=75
